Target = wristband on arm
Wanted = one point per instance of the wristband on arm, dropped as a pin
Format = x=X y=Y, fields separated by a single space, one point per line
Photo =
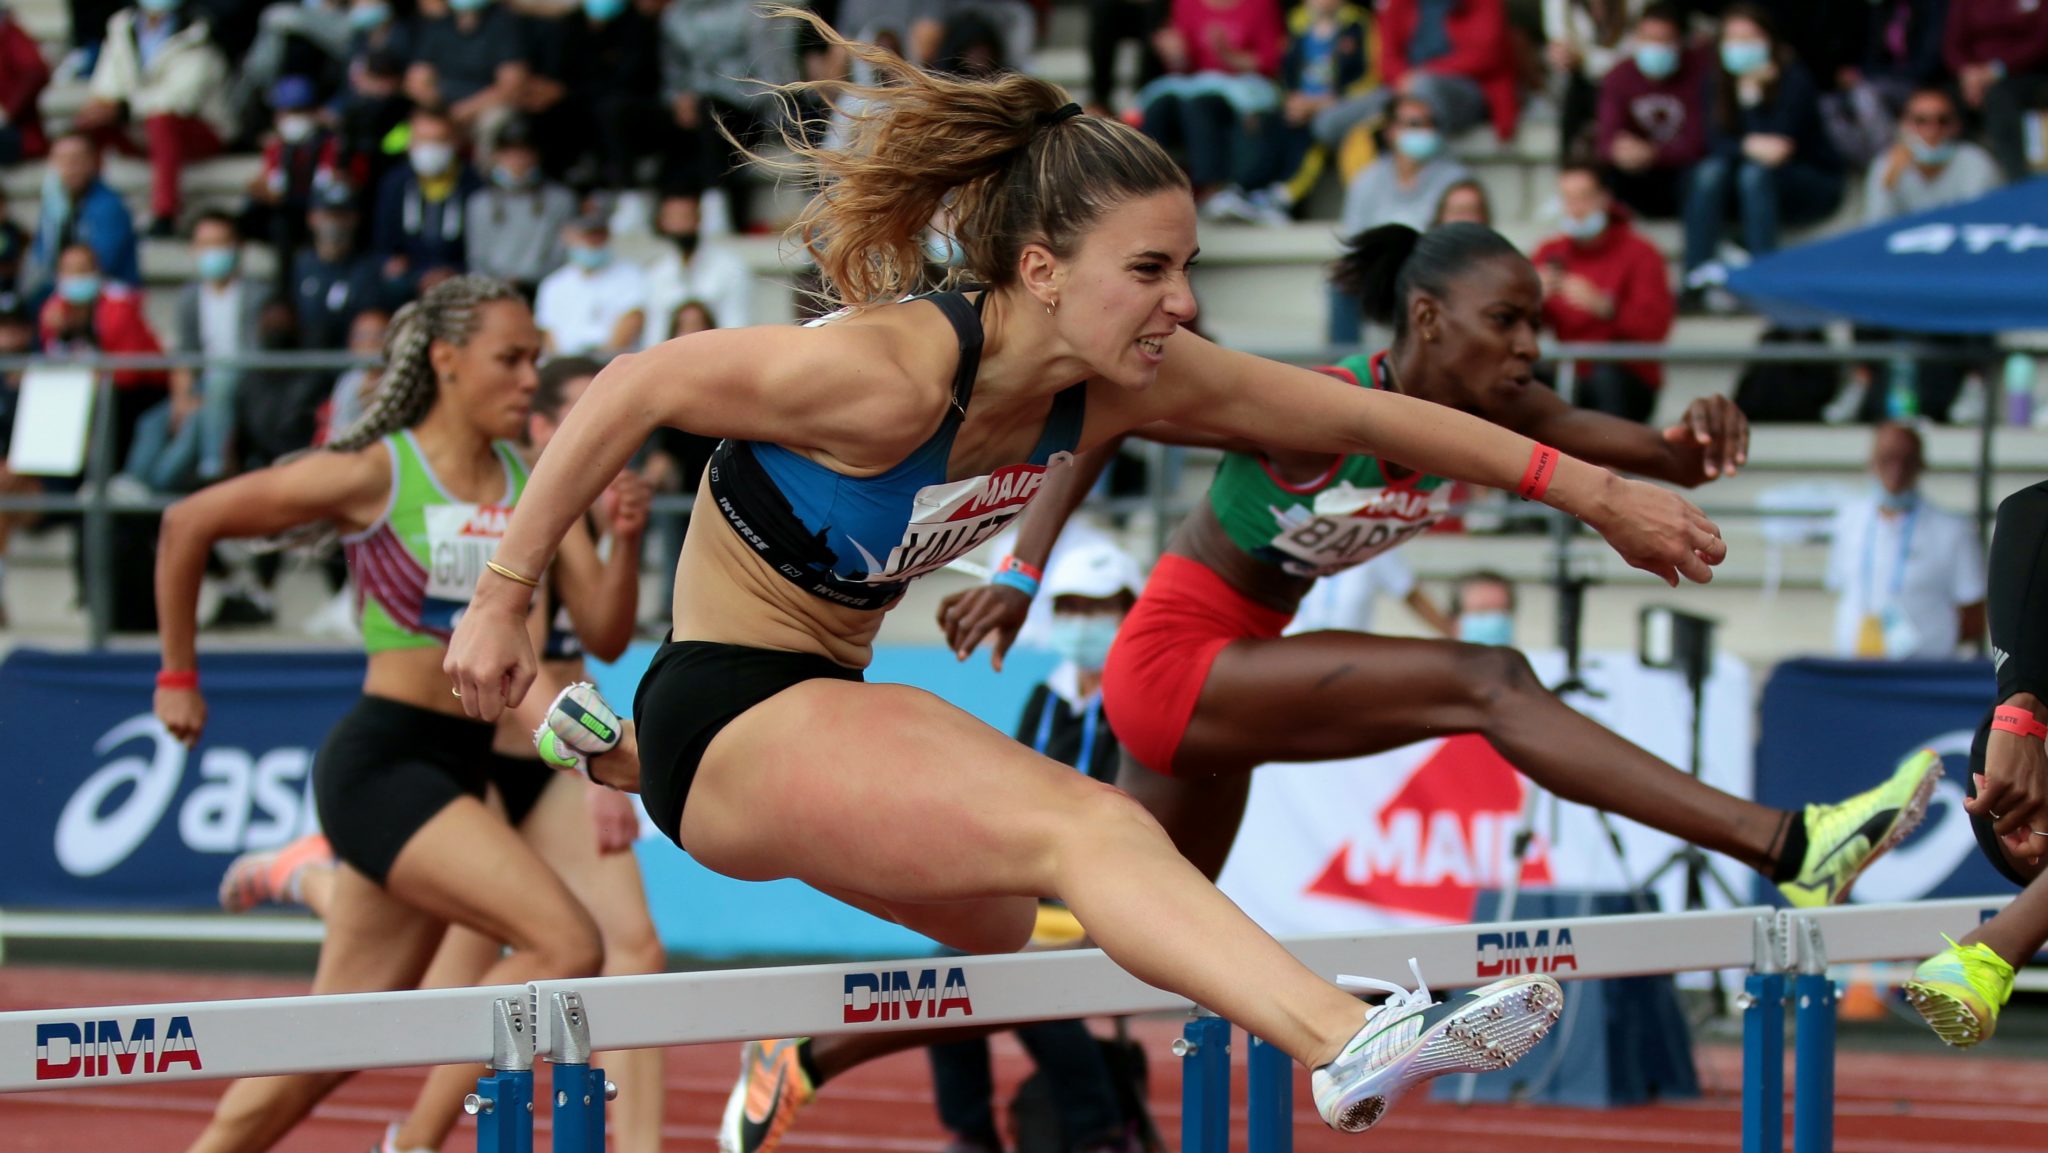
x=1542 y=467
x=1017 y=574
x=2012 y=719
x=177 y=678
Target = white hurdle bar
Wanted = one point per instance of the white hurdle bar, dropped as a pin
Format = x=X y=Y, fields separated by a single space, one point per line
x=507 y=1026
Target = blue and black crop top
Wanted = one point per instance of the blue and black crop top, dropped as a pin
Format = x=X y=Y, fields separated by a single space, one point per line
x=858 y=541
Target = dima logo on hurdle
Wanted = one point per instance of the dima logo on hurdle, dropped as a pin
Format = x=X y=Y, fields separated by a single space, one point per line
x=1514 y=952
x=894 y=994
x=65 y=1050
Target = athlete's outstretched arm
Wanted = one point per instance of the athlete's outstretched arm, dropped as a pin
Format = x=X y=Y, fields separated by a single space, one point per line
x=993 y=611
x=1217 y=390
x=2014 y=792
x=1710 y=441
x=348 y=488
x=838 y=390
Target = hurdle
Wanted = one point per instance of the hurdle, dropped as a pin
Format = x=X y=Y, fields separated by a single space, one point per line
x=507 y=1027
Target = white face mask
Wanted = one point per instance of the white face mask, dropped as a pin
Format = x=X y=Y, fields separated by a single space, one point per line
x=431 y=158
x=1083 y=638
x=294 y=128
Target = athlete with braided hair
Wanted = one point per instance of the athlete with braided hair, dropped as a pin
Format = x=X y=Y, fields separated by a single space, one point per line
x=420 y=487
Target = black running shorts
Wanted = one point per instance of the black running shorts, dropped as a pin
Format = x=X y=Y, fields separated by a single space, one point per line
x=386 y=770
x=691 y=691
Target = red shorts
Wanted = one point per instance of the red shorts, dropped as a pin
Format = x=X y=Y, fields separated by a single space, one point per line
x=1163 y=652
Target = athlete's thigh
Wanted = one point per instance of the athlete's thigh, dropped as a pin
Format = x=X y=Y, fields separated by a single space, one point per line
x=1201 y=813
x=470 y=868
x=1324 y=695
x=974 y=925
x=885 y=790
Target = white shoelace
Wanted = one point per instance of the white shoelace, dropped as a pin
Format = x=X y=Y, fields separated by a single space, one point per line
x=1398 y=997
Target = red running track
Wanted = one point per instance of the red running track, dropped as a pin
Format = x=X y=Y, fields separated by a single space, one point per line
x=1920 y=1102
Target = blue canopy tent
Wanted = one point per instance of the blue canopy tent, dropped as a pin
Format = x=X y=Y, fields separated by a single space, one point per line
x=1976 y=267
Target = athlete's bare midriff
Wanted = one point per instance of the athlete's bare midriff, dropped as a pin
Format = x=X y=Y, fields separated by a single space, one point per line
x=726 y=593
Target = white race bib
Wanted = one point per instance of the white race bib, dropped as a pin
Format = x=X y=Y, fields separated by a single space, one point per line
x=1349 y=526
x=948 y=521
x=460 y=539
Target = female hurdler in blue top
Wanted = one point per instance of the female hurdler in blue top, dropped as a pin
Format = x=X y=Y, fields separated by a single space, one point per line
x=863 y=452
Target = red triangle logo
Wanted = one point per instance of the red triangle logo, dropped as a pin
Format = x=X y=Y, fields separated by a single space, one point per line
x=1445 y=834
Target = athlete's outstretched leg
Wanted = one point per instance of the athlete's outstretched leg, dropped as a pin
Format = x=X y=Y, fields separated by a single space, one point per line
x=1329 y=695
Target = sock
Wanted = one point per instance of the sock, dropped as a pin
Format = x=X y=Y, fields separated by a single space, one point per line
x=805 y=1062
x=1792 y=849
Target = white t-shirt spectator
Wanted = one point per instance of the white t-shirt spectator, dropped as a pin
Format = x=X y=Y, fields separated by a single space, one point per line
x=580 y=309
x=1346 y=600
x=715 y=276
x=1900 y=579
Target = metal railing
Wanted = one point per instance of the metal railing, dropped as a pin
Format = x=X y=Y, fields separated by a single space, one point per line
x=97 y=508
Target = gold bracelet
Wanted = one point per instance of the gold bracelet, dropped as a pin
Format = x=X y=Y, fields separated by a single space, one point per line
x=509 y=575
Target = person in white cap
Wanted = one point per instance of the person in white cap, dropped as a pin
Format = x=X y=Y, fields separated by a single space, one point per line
x=1091 y=588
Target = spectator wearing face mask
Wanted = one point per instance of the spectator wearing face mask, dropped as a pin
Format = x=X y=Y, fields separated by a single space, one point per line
x=1483 y=607
x=1455 y=54
x=89 y=314
x=301 y=156
x=1769 y=157
x=1651 y=121
x=1403 y=186
x=1930 y=165
x=159 y=90
x=595 y=305
x=1604 y=284
x=699 y=268
x=23 y=76
x=331 y=281
x=183 y=442
x=514 y=223
x=79 y=208
x=420 y=222
x=1091 y=587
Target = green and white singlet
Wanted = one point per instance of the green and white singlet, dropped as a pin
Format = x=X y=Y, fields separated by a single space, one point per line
x=1349 y=515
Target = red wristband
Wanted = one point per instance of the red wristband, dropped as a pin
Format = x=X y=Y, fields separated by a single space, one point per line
x=177 y=678
x=1536 y=478
x=2013 y=719
x=1012 y=564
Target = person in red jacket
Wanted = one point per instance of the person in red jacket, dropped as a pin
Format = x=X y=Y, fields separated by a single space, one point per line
x=89 y=314
x=1455 y=54
x=1603 y=282
x=1998 y=50
x=23 y=76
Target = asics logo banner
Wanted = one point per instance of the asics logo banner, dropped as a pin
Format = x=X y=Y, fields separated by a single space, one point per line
x=1515 y=952
x=899 y=993
x=241 y=802
x=66 y=1050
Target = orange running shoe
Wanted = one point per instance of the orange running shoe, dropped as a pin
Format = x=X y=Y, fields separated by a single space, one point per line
x=772 y=1087
x=272 y=877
